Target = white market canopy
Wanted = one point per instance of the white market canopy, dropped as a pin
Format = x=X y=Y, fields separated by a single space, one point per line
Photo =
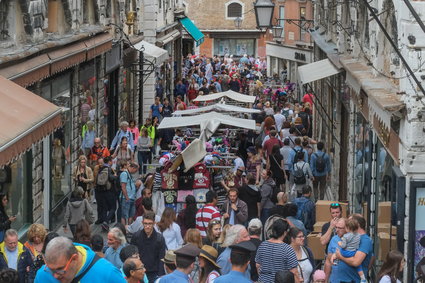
x=220 y=107
x=149 y=49
x=229 y=94
x=208 y=122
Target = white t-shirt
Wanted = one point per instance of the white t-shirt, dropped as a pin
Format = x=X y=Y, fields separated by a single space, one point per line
x=387 y=279
x=279 y=119
x=304 y=266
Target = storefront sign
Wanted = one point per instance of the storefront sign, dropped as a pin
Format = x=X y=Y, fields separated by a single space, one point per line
x=300 y=56
x=420 y=224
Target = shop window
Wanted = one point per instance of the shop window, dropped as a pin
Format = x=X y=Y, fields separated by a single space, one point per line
x=234 y=10
x=303 y=14
x=281 y=16
x=237 y=47
x=17 y=184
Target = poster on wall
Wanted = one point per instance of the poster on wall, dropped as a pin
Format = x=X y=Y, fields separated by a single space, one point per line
x=420 y=224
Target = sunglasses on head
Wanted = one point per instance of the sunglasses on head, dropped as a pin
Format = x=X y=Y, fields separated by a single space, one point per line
x=335 y=204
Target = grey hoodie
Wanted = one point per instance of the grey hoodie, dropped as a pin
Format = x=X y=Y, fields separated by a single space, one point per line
x=77 y=209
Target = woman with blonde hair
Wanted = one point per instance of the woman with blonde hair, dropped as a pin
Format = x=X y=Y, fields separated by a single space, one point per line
x=35 y=235
x=193 y=236
x=83 y=176
x=213 y=237
x=170 y=229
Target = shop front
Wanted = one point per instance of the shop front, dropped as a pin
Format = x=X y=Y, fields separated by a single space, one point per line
x=283 y=61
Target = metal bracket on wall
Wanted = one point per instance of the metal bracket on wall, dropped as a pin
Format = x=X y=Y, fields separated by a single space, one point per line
x=303 y=24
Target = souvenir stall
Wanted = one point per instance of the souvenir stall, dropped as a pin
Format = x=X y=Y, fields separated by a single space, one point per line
x=197 y=165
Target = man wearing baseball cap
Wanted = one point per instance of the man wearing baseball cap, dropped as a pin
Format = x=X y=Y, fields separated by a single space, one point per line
x=185 y=262
x=240 y=258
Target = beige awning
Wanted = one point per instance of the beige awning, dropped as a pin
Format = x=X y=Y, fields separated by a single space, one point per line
x=98 y=44
x=233 y=95
x=149 y=49
x=67 y=57
x=28 y=72
x=26 y=118
x=316 y=71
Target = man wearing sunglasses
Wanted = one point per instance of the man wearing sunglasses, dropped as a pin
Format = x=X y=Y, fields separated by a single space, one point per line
x=68 y=262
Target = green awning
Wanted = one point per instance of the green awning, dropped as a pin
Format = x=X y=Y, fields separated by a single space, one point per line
x=194 y=32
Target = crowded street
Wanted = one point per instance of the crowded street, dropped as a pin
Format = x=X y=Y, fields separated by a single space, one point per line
x=212 y=141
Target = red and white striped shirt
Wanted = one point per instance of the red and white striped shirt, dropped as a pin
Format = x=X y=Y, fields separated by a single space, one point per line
x=204 y=216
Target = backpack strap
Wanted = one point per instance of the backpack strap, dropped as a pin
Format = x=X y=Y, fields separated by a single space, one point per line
x=82 y=274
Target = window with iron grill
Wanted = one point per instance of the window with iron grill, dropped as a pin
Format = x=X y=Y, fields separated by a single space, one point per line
x=234 y=10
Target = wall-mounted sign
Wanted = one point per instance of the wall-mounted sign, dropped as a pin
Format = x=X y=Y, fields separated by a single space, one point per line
x=300 y=56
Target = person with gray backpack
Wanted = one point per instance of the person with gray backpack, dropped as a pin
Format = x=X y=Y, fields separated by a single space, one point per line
x=301 y=175
x=320 y=164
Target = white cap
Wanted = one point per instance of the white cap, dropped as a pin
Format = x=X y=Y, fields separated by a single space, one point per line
x=255 y=222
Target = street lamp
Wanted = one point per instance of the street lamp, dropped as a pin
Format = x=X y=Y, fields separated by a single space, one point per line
x=264 y=13
x=238 y=22
x=277 y=32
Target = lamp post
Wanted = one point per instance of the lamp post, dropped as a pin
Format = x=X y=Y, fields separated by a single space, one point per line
x=264 y=13
x=140 y=66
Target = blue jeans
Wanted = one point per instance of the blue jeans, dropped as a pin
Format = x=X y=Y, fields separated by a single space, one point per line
x=127 y=208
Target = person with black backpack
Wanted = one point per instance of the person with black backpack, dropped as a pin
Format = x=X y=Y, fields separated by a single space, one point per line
x=105 y=192
x=321 y=167
x=301 y=175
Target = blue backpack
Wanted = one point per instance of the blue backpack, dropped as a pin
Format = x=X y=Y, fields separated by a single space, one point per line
x=302 y=213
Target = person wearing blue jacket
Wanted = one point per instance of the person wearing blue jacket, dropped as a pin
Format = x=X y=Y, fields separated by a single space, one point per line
x=320 y=165
x=67 y=261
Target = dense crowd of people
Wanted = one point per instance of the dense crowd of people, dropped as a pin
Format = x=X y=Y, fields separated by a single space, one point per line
x=250 y=225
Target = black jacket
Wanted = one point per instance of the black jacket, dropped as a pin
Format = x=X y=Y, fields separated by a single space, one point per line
x=4 y=221
x=151 y=250
x=251 y=196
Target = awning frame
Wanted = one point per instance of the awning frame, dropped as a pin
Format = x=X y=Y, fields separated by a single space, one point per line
x=159 y=54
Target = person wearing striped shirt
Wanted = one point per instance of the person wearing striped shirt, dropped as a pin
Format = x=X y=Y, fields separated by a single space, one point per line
x=207 y=213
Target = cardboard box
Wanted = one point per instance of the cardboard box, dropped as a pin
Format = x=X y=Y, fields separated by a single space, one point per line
x=316 y=247
x=318 y=227
x=387 y=228
x=323 y=213
x=384 y=212
x=386 y=243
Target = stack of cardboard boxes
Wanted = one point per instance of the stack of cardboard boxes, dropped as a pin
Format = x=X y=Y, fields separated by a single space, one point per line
x=386 y=232
x=322 y=216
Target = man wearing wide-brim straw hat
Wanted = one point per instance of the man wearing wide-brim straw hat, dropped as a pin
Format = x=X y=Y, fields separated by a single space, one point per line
x=169 y=261
x=210 y=270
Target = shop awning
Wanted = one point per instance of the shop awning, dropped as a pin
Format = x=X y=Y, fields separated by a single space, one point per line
x=25 y=117
x=206 y=120
x=229 y=94
x=220 y=107
x=149 y=49
x=316 y=71
x=193 y=30
x=29 y=71
x=98 y=44
x=67 y=57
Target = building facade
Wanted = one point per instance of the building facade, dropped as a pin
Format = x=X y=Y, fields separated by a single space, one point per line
x=293 y=47
x=229 y=27
x=71 y=53
x=370 y=110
